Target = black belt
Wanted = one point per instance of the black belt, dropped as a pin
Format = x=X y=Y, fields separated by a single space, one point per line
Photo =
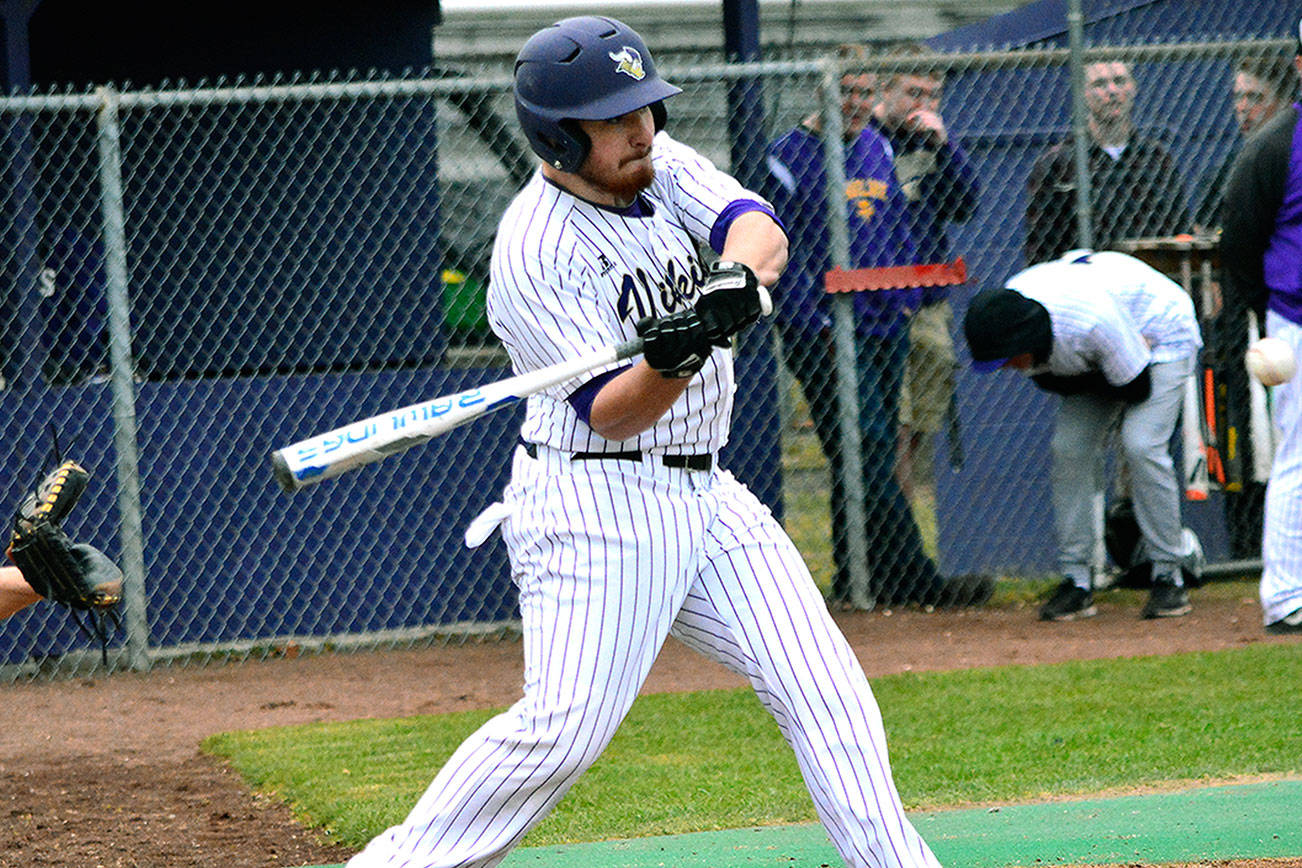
x=703 y=461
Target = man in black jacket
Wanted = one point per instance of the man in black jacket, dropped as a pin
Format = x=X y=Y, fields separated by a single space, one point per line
x=1261 y=254
x=1136 y=188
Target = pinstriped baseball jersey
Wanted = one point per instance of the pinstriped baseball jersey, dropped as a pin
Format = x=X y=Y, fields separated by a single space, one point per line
x=1109 y=312
x=569 y=276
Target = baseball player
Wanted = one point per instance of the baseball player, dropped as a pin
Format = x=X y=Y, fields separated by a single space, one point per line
x=1261 y=250
x=620 y=526
x=1117 y=340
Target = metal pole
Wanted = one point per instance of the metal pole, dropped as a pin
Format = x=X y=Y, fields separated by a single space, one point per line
x=843 y=339
x=741 y=36
x=1080 y=124
x=1084 y=214
x=28 y=350
x=121 y=379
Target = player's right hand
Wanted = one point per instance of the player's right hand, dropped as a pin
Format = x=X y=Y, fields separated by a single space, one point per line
x=676 y=345
x=730 y=301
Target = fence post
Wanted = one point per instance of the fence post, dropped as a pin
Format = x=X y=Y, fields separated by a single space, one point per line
x=1084 y=213
x=26 y=354
x=746 y=128
x=1080 y=125
x=122 y=378
x=843 y=329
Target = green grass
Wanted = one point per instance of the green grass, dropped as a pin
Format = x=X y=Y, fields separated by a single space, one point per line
x=712 y=760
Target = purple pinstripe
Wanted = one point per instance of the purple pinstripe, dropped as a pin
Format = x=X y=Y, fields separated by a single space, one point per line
x=1281 y=547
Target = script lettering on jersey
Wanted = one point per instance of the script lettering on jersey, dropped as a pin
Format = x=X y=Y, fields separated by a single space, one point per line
x=641 y=295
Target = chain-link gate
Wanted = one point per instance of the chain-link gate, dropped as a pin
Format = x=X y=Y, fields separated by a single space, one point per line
x=201 y=276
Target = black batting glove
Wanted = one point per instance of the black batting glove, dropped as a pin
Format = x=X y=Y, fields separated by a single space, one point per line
x=729 y=301
x=676 y=345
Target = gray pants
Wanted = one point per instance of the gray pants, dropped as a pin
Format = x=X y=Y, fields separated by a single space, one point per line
x=1079 y=438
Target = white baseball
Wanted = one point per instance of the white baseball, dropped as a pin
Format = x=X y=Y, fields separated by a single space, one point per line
x=1271 y=361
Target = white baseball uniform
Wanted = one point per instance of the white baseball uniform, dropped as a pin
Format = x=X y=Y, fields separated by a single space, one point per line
x=1112 y=313
x=612 y=555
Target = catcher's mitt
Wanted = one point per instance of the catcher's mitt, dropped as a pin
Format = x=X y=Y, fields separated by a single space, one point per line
x=76 y=575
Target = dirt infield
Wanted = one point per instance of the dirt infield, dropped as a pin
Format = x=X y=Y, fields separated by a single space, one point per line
x=106 y=771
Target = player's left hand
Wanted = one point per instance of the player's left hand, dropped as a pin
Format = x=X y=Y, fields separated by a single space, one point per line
x=676 y=345
x=730 y=301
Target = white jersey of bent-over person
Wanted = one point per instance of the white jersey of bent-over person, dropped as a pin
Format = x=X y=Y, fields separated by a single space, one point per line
x=1111 y=313
x=569 y=276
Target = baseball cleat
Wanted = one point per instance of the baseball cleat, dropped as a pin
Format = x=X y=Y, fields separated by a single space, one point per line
x=1070 y=602
x=1291 y=623
x=1167 y=600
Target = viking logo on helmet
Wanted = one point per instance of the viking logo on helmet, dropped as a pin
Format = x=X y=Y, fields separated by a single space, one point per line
x=630 y=63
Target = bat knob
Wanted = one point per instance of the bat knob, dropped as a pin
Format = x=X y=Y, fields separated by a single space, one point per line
x=284 y=476
x=766 y=301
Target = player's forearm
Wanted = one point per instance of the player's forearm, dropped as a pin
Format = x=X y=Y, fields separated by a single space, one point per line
x=633 y=402
x=759 y=243
x=15 y=593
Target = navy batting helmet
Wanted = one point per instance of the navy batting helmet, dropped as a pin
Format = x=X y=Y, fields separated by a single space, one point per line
x=584 y=68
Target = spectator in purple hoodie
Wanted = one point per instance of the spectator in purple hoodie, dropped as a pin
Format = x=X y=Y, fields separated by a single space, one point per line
x=877 y=215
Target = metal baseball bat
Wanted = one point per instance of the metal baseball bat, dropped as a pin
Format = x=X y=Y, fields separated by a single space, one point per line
x=367 y=441
x=1196 y=479
x=1260 y=426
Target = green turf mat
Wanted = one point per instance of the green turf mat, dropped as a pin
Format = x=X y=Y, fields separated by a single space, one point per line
x=1245 y=821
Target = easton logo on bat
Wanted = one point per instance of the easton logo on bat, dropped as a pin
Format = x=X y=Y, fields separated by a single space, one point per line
x=397 y=421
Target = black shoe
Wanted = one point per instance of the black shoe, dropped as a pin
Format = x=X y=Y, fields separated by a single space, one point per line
x=1167 y=600
x=1289 y=624
x=1068 y=603
x=851 y=603
x=958 y=592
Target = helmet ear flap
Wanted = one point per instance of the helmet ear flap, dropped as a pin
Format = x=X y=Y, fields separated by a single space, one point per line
x=658 y=114
x=574 y=151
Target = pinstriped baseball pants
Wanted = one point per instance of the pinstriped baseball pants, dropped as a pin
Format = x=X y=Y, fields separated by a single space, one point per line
x=610 y=558
x=1281 y=546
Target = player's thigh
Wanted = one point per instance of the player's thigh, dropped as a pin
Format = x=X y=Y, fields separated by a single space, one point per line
x=602 y=562
x=1286 y=399
x=1146 y=427
x=1081 y=428
x=754 y=606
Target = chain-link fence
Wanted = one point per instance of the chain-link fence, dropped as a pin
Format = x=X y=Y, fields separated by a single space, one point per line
x=200 y=276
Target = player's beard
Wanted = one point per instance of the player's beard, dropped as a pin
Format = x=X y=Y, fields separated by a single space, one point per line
x=625 y=182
